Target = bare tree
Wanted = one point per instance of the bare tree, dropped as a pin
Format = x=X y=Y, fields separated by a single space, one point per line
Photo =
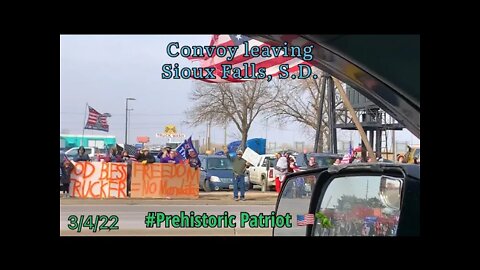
x=300 y=100
x=239 y=103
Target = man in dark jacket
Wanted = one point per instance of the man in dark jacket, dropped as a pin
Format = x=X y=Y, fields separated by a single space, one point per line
x=193 y=159
x=239 y=166
x=311 y=162
x=66 y=172
x=145 y=157
x=126 y=159
x=81 y=156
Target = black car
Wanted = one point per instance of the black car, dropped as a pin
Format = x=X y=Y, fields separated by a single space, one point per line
x=363 y=199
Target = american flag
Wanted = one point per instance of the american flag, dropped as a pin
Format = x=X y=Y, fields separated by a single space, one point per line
x=96 y=120
x=303 y=220
x=271 y=64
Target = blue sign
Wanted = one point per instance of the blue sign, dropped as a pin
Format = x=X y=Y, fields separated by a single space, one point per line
x=370 y=219
x=256 y=144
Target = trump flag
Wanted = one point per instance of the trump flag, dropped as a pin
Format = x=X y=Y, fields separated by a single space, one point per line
x=183 y=148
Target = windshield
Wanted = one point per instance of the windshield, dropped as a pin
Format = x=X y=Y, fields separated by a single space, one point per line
x=325 y=161
x=416 y=154
x=219 y=164
x=321 y=160
x=271 y=160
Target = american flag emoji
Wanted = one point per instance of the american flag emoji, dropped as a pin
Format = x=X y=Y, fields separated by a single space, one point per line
x=303 y=220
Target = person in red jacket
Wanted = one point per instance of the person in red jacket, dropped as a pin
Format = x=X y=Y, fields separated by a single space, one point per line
x=280 y=169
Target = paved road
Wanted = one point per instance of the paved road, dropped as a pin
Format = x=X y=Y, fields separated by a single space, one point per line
x=132 y=218
x=205 y=198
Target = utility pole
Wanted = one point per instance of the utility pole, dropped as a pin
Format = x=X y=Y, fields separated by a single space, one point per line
x=126 y=119
x=332 y=118
x=209 y=126
x=130 y=120
x=83 y=126
x=206 y=139
x=266 y=128
x=318 y=132
x=225 y=136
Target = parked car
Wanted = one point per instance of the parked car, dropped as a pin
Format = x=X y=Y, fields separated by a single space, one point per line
x=92 y=152
x=217 y=173
x=262 y=173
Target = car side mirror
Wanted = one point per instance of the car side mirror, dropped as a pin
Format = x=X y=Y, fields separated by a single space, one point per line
x=380 y=199
x=359 y=205
x=391 y=191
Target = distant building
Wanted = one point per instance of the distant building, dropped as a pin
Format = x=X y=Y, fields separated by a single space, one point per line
x=68 y=141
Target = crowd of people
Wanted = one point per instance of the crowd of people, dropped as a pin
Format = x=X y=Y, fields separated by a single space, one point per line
x=143 y=156
x=284 y=164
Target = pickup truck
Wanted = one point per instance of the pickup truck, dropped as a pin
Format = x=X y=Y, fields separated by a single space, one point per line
x=262 y=173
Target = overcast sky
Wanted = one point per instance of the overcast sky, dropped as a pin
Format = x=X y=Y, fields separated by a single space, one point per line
x=102 y=70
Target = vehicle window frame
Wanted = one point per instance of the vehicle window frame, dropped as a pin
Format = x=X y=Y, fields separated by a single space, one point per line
x=264 y=164
x=226 y=160
x=272 y=161
x=416 y=153
x=322 y=159
x=314 y=192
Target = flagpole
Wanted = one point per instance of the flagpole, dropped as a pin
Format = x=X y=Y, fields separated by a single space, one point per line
x=83 y=127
